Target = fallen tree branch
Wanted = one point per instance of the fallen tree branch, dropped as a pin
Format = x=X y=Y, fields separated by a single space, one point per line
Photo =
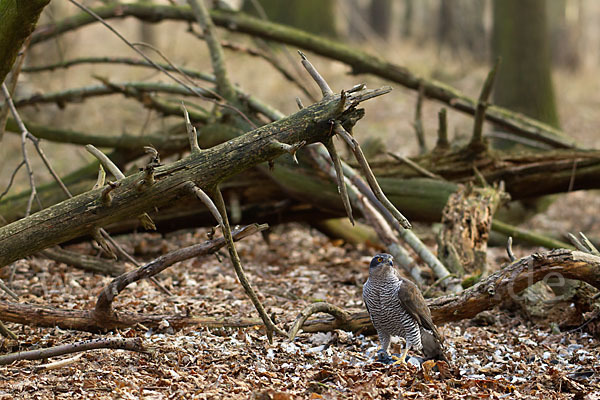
x=161 y=142
x=270 y=327
x=84 y=320
x=76 y=95
x=484 y=295
x=134 y=344
x=224 y=86
x=84 y=213
x=491 y=291
x=321 y=307
x=527 y=236
x=84 y=262
x=103 y=318
x=103 y=309
x=361 y=62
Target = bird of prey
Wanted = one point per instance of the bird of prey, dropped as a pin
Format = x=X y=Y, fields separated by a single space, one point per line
x=397 y=308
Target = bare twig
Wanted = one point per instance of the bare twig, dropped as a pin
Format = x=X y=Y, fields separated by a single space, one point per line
x=442 y=141
x=482 y=105
x=584 y=245
x=339 y=314
x=4 y=331
x=325 y=89
x=24 y=135
x=216 y=51
x=60 y=363
x=415 y=166
x=11 y=180
x=591 y=248
x=105 y=161
x=509 y=250
x=109 y=343
x=339 y=174
x=121 y=60
x=16 y=70
x=436 y=283
x=418 y=124
x=362 y=161
x=99 y=238
x=237 y=265
x=101 y=178
x=206 y=200
x=38 y=148
x=191 y=131
x=8 y=290
x=132 y=89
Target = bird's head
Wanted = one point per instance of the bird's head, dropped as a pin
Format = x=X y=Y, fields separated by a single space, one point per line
x=381 y=263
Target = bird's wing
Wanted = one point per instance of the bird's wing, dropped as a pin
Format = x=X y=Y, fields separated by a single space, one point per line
x=365 y=298
x=413 y=302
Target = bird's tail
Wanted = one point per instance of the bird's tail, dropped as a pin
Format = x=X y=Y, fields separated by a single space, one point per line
x=432 y=347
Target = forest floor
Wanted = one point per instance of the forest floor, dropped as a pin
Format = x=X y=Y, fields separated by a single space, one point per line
x=499 y=354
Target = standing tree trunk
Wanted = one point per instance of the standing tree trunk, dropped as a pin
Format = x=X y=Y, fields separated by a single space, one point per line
x=407 y=18
x=314 y=16
x=380 y=17
x=524 y=81
x=564 y=35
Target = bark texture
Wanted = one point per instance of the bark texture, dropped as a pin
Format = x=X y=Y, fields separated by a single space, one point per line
x=94 y=209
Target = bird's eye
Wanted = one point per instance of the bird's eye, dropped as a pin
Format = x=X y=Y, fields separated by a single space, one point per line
x=379 y=259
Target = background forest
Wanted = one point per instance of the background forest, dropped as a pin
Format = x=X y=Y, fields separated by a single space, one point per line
x=140 y=140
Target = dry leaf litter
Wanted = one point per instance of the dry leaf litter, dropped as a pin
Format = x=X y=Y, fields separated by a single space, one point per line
x=496 y=355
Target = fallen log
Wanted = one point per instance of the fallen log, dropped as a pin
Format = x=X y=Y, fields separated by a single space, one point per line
x=84 y=320
x=492 y=291
x=489 y=292
x=137 y=193
x=312 y=193
x=104 y=318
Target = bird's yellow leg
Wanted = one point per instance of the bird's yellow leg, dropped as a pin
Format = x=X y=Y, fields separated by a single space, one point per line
x=402 y=358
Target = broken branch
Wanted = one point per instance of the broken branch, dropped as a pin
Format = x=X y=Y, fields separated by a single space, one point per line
x=109 y=343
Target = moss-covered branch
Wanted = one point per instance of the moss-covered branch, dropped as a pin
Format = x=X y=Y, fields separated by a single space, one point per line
x=90 y=210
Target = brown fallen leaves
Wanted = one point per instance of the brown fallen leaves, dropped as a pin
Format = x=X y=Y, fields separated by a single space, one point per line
x=506 y=358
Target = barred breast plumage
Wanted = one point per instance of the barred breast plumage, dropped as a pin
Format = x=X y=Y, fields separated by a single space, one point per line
x=397 y=308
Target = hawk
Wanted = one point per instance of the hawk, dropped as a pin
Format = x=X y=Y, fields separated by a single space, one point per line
x=397 y=308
